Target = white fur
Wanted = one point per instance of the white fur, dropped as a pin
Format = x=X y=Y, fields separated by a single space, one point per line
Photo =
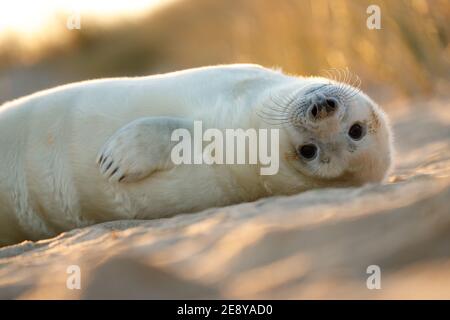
x=50 y=141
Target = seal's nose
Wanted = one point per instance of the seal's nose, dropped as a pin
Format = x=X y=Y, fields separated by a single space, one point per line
x=323 y=108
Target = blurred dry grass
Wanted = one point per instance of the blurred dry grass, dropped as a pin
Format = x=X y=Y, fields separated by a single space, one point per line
x=409 y=55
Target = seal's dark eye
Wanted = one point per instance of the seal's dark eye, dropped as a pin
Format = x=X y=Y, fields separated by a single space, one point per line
x=356 y=131
x=308 y=151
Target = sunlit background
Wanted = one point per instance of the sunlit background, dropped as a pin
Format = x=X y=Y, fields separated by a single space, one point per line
x=409 y=56
x=34 y=23
x=30 y=17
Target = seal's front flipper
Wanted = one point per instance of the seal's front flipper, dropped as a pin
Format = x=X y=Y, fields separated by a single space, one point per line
x=139 y=148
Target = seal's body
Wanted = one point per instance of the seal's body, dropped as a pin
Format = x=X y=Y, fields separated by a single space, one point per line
x=100 y=150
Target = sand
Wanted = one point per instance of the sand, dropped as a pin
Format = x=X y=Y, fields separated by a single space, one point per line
x=318 y=244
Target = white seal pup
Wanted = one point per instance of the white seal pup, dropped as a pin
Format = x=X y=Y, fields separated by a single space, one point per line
x=100 y=150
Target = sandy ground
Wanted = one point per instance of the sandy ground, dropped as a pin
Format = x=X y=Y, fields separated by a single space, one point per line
x=314 y=245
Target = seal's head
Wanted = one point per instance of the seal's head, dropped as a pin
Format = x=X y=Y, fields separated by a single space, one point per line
x=335 y=133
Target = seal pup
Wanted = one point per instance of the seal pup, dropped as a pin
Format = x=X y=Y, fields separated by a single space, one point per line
x=100 y=150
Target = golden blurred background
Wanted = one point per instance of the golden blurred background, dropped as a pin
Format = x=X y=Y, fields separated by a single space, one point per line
x=409 y=55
